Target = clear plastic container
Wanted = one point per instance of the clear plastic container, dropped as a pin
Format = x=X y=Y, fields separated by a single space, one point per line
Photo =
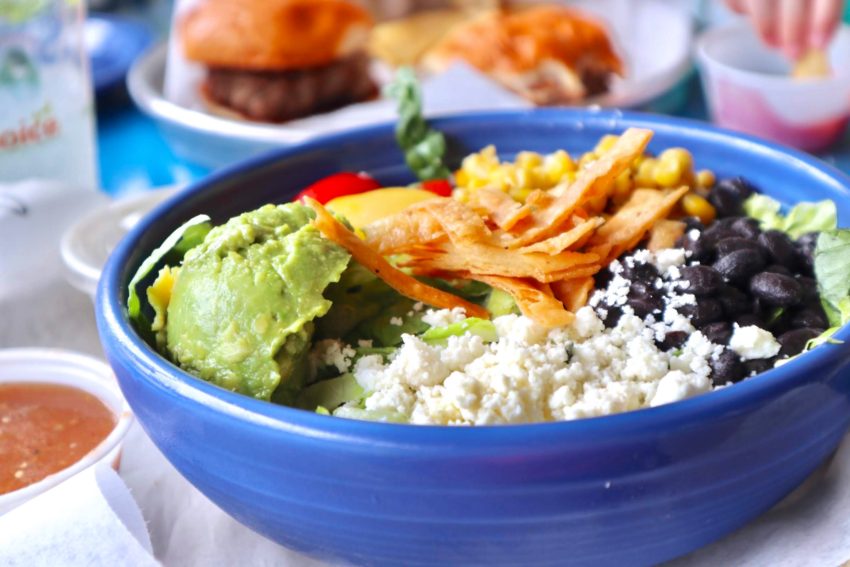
x=748 y=88
x=46 y=108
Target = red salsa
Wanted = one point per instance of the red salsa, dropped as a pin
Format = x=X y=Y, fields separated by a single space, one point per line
x=45 y=428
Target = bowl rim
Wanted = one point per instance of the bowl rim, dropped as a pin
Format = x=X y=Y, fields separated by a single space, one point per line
x=88 y=370
x=115 y=327
x=757 y=78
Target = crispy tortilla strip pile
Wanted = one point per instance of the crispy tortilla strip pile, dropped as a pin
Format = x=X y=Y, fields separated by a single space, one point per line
x=544 y=252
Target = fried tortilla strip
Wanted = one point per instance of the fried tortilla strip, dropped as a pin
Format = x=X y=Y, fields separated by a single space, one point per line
x=459 y=221
x=664 y=234
x=498 y=206
x=563 y=241
x=396 y=233
x=483 y=259
x=395 y=278
x=573 y=293
x=592 y=182
x=535 y=300
x=628 y=226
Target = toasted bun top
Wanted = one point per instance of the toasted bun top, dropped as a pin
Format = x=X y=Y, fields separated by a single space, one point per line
x=273 y=35
x=522 y=40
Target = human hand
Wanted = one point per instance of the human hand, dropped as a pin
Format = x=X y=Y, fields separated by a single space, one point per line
x=794 y=26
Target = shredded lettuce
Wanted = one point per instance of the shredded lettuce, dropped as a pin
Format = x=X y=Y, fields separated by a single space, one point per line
x=354 y=412
x=171 y=251
x=802 y=218
x=423 y=147
x=481 y=327
x=832 y=270
x=330 y=393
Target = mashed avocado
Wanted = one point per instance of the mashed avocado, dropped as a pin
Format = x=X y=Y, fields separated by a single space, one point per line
x=243 y=302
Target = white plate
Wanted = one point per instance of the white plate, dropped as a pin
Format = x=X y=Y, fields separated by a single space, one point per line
x=653 y=36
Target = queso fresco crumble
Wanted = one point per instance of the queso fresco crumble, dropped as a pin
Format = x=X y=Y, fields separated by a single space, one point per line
x=530 y=373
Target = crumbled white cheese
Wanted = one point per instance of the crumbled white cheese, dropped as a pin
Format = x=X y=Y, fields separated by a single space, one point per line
x=396 y=321
x=443 y=317
x=753 y=342
x=534 y=374
x=331 y=352
x=364 y=343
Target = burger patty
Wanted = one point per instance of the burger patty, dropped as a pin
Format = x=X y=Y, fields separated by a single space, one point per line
x=277 y=96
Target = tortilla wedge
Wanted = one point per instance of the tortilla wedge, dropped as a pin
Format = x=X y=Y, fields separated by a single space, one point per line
x=395 y=278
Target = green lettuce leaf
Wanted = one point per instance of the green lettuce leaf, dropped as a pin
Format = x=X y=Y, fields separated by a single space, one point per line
x=802 y=218
x=330 y=393
x=481 y=327
x=171 y=251
x=832 y=270
x=423 y=147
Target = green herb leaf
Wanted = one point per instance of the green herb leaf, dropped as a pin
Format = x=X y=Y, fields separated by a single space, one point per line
x=802 y=218
x=481 y=327
x=423 y=147
x=189 y=235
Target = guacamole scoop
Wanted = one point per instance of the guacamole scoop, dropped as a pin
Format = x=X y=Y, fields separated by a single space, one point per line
x=243 y=301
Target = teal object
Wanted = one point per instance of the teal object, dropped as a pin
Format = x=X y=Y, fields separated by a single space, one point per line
x=637 y=488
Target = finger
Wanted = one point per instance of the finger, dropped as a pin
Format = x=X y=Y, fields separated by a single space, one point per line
x=736 y=6
x=824 y=18
x=792 y=27
x=764 y=16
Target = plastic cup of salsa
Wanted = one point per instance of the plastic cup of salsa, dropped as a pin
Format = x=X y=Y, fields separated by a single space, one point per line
x=60 y=412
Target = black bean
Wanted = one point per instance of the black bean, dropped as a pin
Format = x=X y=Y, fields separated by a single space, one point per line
x=806 y=245
x=719 y=332
x=794 y=341
x=612 y=316
x=673 y=339
x=739 y=265
x=736 y=186
x=698 y=249
x=780 y=248
x=750 y=319
x=776 y=289
x=640 y=272
x=734 y=301
x=779 y=269
x=644 y=299
x=603 y=278
x=717 y=232
x=759 y=365
x=693 y=223
x=810 y=289
x=702 y=280
x=746 y=227
x=728 y=245
x=705 y=310
x=727 y=368
x=809 y=317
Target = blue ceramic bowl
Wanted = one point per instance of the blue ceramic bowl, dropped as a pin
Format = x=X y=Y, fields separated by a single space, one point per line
x=635 y=488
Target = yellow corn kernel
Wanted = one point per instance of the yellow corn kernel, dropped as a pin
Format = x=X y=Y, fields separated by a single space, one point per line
x=587 y=158
x=705 y=179
x=461 y=194
x=557 y=165
x=668 y=173
x=519 y=193
x=645 y=176
x=528 y=159
x=679 y=155
x=596 y=205
x=461 y=178
x=605 y=143
x=622 y=188
x=694 y=205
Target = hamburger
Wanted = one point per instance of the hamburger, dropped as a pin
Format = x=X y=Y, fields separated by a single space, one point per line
x=549 y=54
x=277 y=60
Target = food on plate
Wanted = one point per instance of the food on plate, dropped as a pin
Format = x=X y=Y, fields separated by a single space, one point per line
x=45 y=428
x=278 y=60
x=813 y=64
x=542 y=289
x=404 y=41
x=550 y=54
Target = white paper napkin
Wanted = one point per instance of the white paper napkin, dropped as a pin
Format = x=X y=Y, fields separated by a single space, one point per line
x=90 y=520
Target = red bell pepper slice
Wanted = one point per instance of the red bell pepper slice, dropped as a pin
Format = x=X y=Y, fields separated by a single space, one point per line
x=441 y=187
x=338 y=185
